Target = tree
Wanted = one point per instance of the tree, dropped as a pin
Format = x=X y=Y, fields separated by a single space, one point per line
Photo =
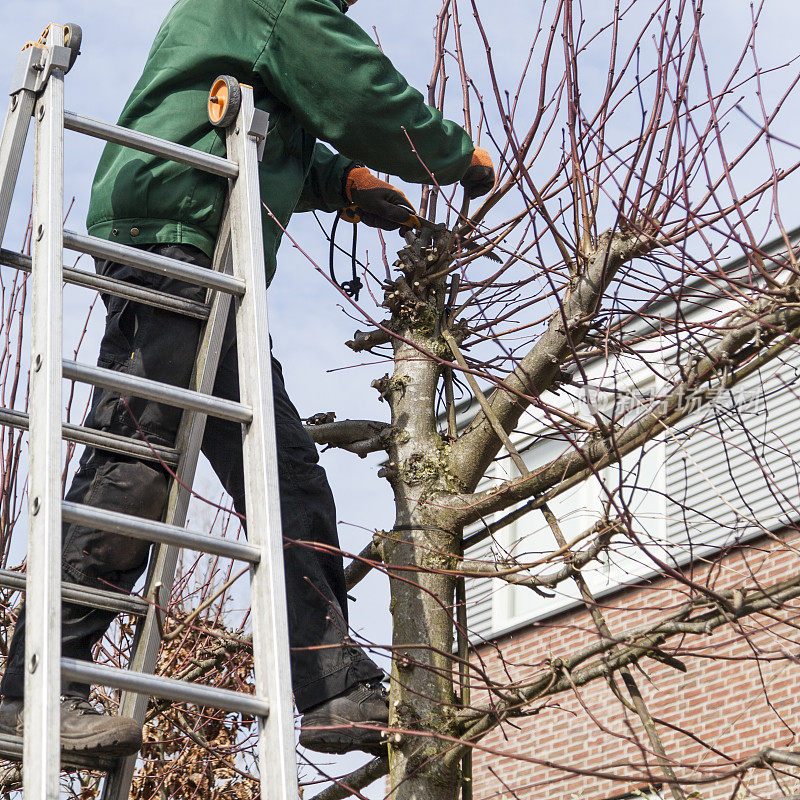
x=613 y=193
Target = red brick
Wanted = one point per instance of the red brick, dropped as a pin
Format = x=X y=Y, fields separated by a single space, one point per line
x=721 y=701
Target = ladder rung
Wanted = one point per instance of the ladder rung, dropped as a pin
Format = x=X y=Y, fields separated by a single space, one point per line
x=166 y=688
x=151 y=144
x=83 y=595
x=120 y=444
x=100 y=283
x=98 y=439
x=151 y=262
x=151 y=531
x=11 y=748
x=160 y=392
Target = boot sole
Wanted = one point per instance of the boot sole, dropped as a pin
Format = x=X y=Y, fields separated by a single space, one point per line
x=337 y=735
x=99 y=745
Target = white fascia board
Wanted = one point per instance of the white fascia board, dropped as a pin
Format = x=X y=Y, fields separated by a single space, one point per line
x=683 y=560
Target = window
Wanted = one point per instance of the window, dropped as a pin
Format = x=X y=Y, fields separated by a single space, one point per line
x=638 y=482
x=727 y=473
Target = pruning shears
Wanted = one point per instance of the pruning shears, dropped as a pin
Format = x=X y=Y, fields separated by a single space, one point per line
x=350 y=214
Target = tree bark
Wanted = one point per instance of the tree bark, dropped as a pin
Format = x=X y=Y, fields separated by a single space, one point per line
x=422 y=692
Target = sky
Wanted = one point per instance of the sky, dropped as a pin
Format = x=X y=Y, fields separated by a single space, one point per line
x=309 y=325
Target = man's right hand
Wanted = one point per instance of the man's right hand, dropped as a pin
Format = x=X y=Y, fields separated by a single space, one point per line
x=380 y=205
x=480 y=176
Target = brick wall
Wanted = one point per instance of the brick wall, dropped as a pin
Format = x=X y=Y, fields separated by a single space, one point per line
x=741 y=693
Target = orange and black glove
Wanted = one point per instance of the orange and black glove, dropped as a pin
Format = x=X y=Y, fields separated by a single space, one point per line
x=379 y=204
x=479 y=177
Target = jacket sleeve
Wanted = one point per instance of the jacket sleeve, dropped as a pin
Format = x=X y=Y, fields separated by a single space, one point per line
x=343 y=90
x=324 y=185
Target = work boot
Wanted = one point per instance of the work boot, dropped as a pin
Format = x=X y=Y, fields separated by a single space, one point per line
x=335 y=726
x=83 y=728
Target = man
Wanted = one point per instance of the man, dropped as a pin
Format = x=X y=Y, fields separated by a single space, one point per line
x=319 y=76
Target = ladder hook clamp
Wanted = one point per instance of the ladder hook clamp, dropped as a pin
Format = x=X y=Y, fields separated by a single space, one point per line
x=257 y=129
x=58 y=57
x=36 y=64
x=27 y=71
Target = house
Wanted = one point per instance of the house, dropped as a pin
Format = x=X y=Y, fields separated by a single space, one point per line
x=716 y=505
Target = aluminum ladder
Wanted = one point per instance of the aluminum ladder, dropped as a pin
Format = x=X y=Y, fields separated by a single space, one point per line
x=238 y=274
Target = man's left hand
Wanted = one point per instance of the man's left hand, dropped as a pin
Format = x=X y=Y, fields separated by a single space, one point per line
x=380 y=205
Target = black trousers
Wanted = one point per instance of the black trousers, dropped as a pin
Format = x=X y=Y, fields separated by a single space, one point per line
x=159 y=345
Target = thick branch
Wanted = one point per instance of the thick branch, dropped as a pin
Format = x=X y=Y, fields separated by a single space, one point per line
x=625 y=649
x=365 y=561
x=702 y=379
x=361 y=565
x=518 y=575
x=355 y=781
x=354 y=435
x=366 y=340
x=479 y=444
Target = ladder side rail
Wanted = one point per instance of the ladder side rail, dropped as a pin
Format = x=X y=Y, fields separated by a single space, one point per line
x=146 y=143
x=15 y=131
x=42 y=752
x=164 y=561
x=276 y=751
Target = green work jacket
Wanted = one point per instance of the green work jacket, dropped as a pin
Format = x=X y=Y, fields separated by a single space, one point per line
x=316 y=72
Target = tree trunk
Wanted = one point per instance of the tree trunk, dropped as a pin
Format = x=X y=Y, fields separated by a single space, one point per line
x=422 y=692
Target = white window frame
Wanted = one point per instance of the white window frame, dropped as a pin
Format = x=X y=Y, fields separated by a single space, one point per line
x=515 y=605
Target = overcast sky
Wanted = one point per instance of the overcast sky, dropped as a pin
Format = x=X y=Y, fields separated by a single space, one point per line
x=308 y=325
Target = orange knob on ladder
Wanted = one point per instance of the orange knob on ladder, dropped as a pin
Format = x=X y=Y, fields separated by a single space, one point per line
x=224 y=101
